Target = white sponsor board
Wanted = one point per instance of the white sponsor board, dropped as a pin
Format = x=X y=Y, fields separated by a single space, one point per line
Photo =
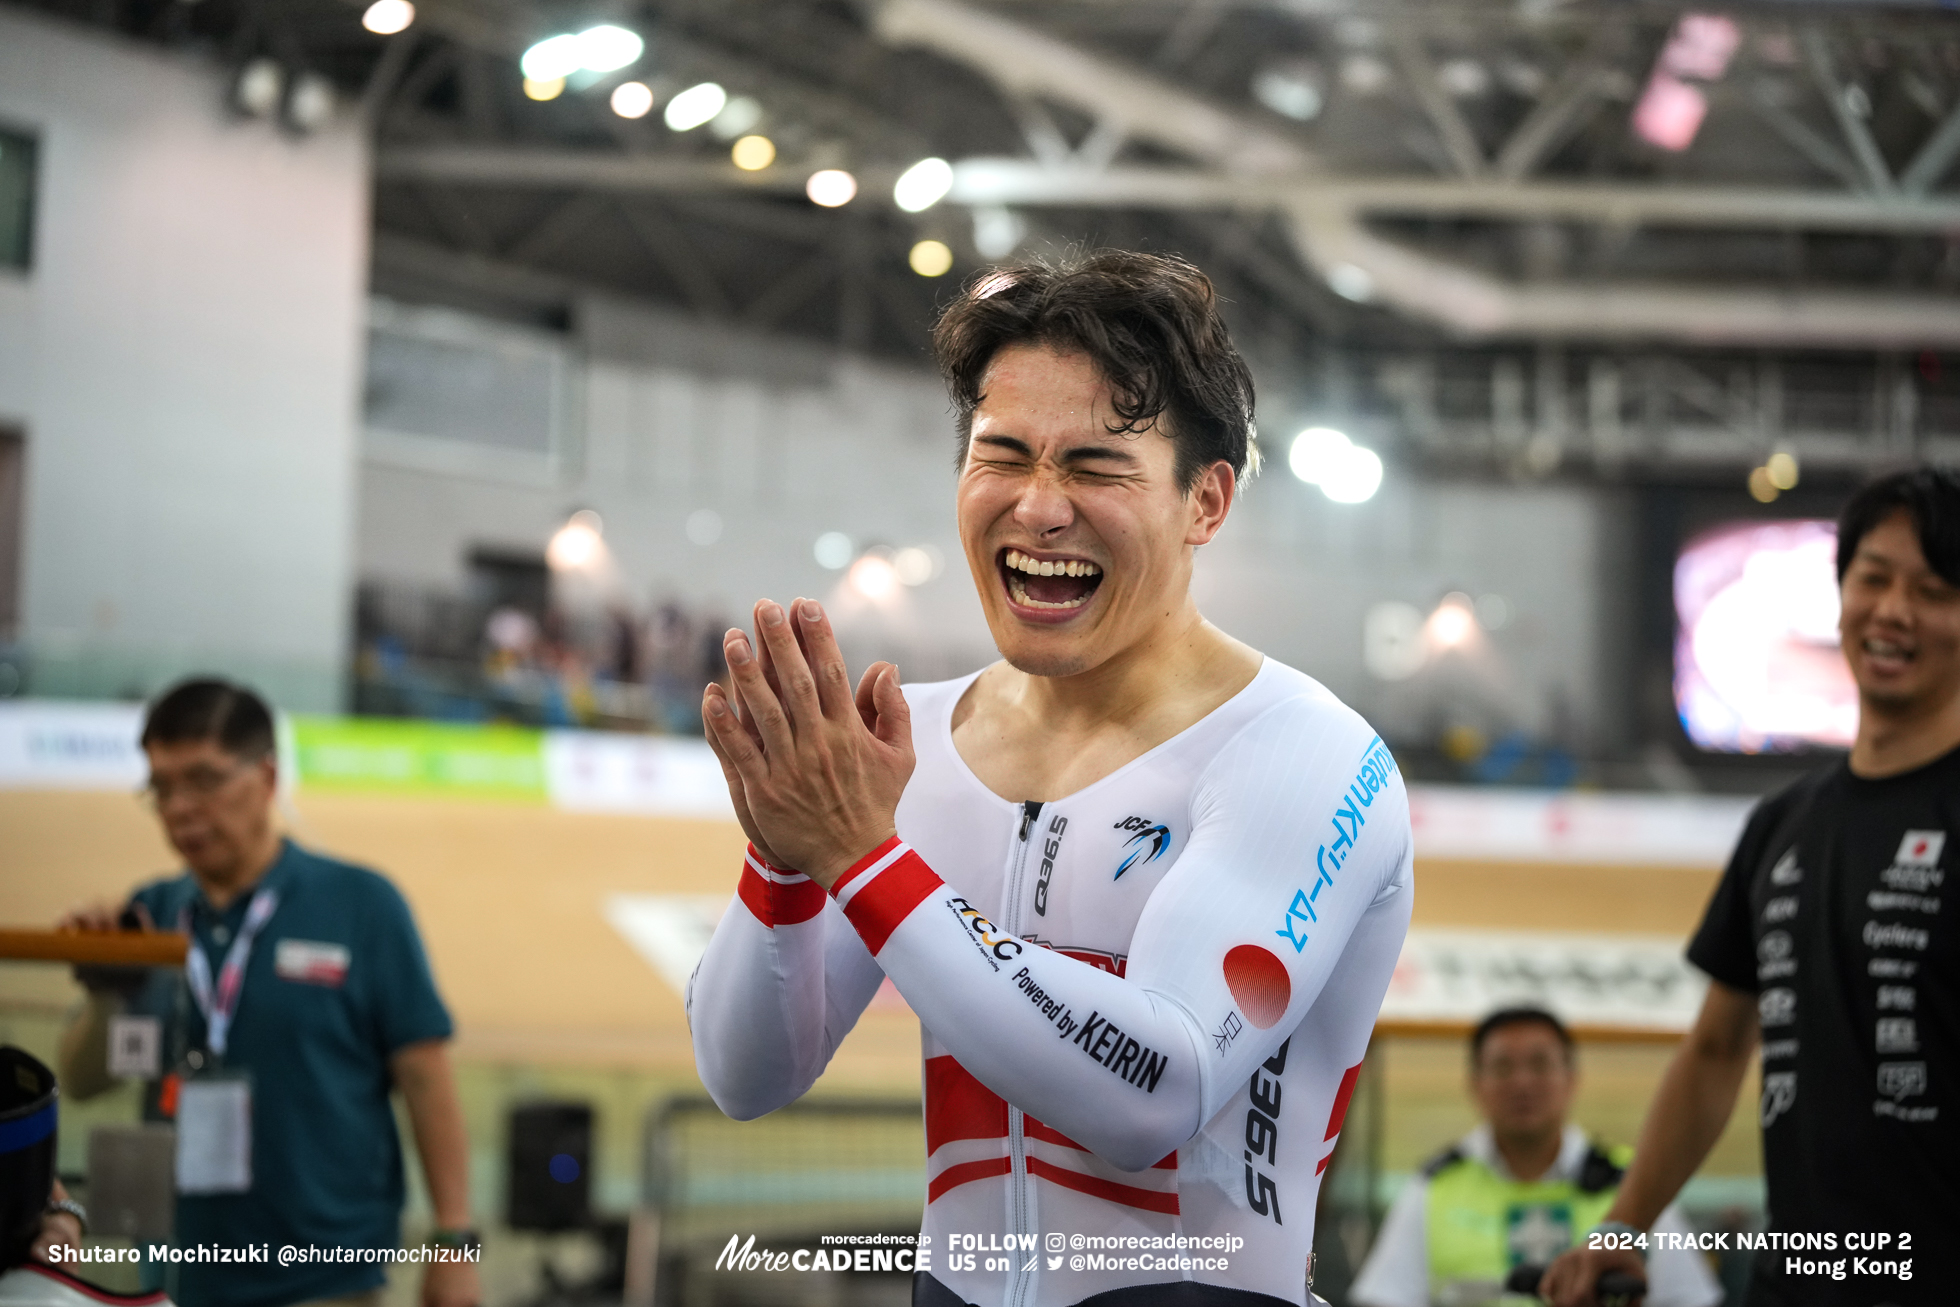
x=1634 y=981
x=51 y=745
x=594 y=771
x=1501 y=825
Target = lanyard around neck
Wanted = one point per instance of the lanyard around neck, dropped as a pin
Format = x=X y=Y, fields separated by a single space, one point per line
x=219 y=1003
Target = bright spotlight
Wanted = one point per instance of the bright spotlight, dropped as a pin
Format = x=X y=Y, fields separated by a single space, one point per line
x=931 y=259
x=259 y=89
x=551 y=59
x=606 y=48
x=386 y=17
x=1315 y=451
x=753 y=153
x=695 y=105
x=833 y=550
x=1452 y=624
x=309 y=105
x=874 y=577
x=1346 y=473
x=549 y=89
x=578 y=544
x=923 y=185
x=632 y=99
x=1355 y=479
x=736 y=117
x=832 y=188
x=916 y=564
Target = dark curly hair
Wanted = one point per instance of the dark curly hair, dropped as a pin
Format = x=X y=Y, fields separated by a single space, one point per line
x=1150 y=324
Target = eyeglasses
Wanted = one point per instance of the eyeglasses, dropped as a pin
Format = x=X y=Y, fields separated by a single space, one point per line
x=196 y=784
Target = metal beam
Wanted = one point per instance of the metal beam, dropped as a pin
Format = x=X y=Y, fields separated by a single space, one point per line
x=980 y=182
x=1459 y=142
x=1563 y=111
x=1934 y=157
x=1817 y=53
x=1026 y=61
x=1804 y=141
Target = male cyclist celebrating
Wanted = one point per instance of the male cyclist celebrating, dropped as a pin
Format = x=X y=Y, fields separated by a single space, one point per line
x=1143 y=887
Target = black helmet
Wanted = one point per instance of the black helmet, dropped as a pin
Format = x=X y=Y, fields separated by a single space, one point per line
x=27 y=1120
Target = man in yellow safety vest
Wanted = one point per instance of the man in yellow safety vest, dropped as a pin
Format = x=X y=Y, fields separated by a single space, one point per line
x=1516 y=1191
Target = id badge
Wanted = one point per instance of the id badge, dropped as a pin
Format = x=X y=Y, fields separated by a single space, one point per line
x=214 y=1134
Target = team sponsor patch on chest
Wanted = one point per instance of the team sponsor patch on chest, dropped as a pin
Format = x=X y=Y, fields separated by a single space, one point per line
x=311 y=961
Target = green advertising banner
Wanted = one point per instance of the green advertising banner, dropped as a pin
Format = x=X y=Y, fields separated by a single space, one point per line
x=413 y=757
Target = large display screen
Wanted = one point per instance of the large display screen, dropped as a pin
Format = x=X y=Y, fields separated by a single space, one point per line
x=1756 y=661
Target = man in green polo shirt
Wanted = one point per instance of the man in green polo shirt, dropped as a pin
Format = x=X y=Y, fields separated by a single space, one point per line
x=305 y=1001
x=1517 y=1190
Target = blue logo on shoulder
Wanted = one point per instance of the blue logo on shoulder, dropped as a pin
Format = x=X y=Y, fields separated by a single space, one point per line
x=1147 y=845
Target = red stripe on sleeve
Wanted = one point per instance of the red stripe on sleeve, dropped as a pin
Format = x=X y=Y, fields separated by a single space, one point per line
x=1150 y=1200
x=955 y=1176
x=1341 y=1100
x=776 y=904
x=857 y=868
x=878 y=907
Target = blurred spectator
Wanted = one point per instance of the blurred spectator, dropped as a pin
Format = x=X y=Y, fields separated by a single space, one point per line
x=1516 y=1191
x=306 y=998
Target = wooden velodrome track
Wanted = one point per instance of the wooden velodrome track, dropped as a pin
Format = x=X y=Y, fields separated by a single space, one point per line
x=509 y=900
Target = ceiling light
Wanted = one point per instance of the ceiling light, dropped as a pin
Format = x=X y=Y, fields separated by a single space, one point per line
x=1351 y=283
x=386 y=17
x=552 y=59
x=1355 y=479
x=753 y=153
x=874 y=577
x=917 y=564
x=1292 y=91
x=1346 y=473
x=578 y=544
x=833 y=550
x=606 y=48
x=931 y=259
x=549 y=88
x=1453 y=623
x=309 y=105
x=736 y=117
x=1782 y=470
x=259 y=89
x=1463 y=78
x=695 y=105
x=632 y=99
x=996 y=231
x=1314 y=451
x=1761 y=488
x=923 y=185
x=1364 y=74
x=832 y=188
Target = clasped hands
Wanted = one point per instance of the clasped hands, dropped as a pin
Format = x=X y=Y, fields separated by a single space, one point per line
x=815 y=772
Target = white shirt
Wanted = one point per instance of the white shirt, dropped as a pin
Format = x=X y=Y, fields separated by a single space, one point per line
x=1217 y=923
x=1396 y=1273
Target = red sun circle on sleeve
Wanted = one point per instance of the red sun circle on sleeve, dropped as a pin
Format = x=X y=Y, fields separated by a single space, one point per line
x=1259 y=982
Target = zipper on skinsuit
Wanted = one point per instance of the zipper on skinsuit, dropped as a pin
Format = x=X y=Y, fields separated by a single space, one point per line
x=1019 y=1286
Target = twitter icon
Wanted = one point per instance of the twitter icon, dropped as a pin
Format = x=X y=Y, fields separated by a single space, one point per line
x=1054 y=1263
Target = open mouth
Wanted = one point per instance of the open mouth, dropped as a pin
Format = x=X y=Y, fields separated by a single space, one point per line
x=1887 y=655
x=1054 y=584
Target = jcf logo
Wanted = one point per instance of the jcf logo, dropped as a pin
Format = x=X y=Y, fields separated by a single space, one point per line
x=1147 y=845
x=991 y=937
